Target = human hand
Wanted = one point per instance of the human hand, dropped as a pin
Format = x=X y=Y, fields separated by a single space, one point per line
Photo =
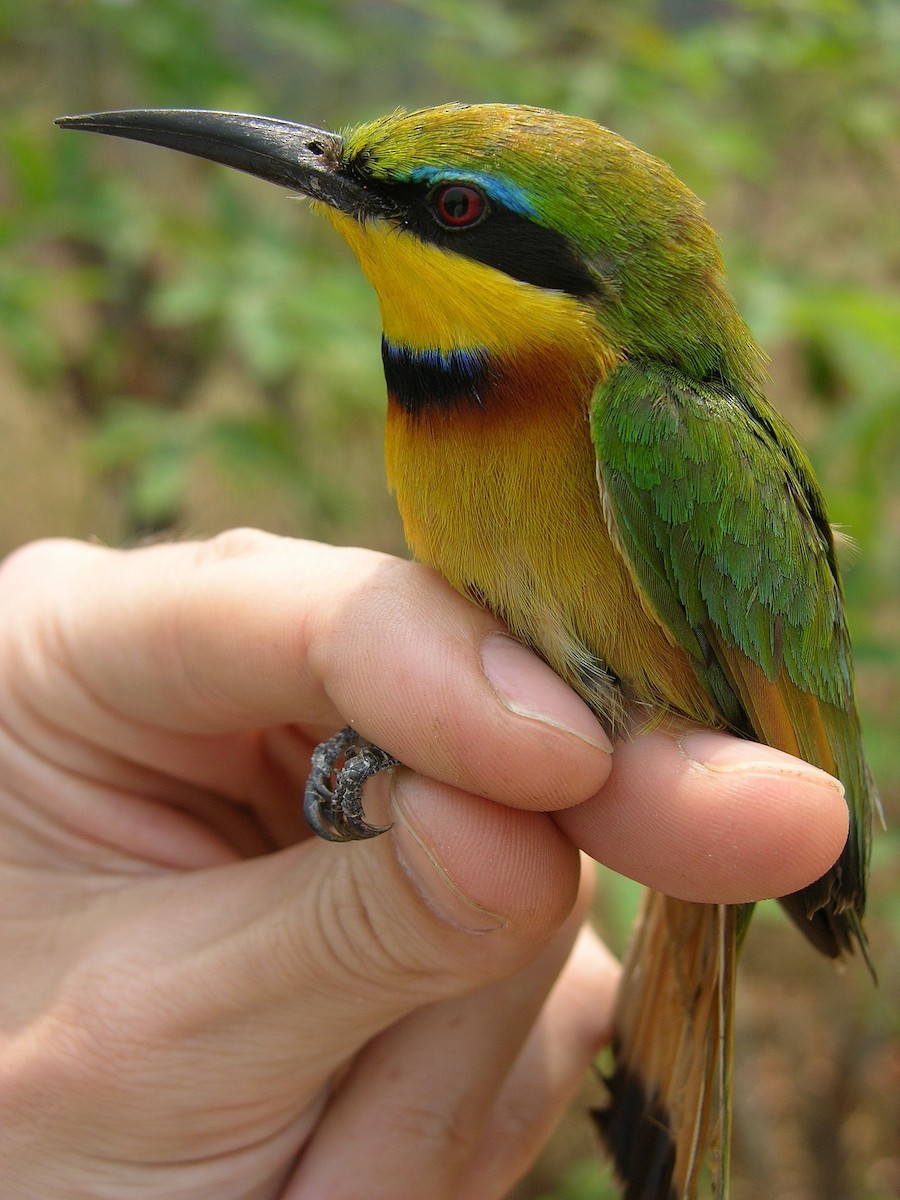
x=200 y=1000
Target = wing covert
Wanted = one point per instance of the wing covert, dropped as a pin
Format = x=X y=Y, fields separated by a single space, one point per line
x=716 y=509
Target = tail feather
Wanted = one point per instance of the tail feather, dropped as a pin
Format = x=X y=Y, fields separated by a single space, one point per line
x=670 y=1086
x=828 y=911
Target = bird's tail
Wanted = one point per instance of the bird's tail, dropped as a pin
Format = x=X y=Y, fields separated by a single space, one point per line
x=670 y=1085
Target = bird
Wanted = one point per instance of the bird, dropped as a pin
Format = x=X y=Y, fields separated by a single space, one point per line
x=579 y=439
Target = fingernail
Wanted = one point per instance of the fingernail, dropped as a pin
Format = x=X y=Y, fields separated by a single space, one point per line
x=720 y=752
x=423 y=870
x=528 y=687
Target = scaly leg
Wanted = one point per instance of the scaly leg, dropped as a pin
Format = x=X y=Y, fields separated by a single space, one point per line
x=332 y=803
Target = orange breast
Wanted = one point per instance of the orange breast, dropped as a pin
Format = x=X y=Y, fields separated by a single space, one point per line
x=503 y=500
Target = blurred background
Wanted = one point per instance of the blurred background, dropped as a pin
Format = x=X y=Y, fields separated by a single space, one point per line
x=183 y=349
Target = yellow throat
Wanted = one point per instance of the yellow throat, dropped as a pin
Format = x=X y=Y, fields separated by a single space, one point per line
x=432 y=299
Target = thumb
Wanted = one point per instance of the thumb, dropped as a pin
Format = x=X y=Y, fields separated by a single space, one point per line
x=460 y=892
x=278 y=969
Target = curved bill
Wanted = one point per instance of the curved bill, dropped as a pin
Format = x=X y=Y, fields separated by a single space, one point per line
x=299 y=157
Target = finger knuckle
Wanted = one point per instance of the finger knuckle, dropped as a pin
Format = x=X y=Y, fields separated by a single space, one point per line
x=236 y=543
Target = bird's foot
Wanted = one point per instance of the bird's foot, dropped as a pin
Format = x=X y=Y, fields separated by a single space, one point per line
x=332 y=803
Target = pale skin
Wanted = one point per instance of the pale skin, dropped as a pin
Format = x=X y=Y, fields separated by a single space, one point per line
x=199 y=999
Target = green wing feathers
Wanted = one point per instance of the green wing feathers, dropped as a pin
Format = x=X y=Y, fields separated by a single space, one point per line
x=715 y=507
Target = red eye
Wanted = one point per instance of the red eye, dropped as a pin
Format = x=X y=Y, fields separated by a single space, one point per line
x=458 y=205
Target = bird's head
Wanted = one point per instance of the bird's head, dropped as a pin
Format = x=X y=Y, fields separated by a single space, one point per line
x=494 y=227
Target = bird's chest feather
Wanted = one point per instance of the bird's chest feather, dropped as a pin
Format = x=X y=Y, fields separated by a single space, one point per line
x=498 y=491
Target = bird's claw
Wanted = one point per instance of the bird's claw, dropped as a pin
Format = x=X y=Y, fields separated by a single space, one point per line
x=332 y=803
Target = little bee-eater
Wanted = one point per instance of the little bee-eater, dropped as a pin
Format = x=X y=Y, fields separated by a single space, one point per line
x=579 y=440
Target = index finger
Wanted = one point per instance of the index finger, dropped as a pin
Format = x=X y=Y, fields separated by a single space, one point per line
x=249 y=630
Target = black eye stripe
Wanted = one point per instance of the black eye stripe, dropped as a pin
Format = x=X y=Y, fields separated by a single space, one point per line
x=520 y=248
x=500 y=238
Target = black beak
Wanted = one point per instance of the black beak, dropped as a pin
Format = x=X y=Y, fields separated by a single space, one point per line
x=298 y=157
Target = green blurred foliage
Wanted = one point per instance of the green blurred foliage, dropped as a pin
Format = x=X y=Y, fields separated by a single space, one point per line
x=182 y=348
x=585 y=1180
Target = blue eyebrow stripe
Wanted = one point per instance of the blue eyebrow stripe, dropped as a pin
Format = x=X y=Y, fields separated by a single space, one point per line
x=504 y=191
